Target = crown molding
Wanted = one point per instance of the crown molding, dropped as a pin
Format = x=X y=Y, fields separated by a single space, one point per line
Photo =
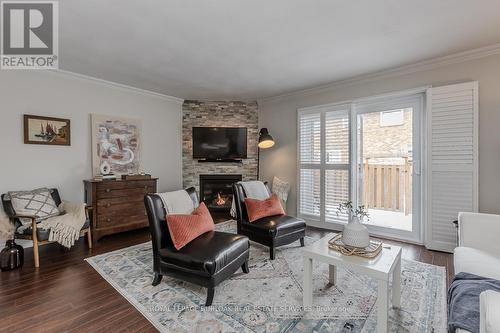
x=393 y=72
x=117 y=85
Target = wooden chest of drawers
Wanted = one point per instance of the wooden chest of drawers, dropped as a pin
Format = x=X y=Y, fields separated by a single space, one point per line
x=118 y=205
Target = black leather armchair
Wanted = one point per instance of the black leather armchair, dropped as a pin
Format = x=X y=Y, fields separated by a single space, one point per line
x=207 y=260
x=270 y=231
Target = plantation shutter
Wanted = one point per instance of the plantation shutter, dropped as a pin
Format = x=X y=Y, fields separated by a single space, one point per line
x=452 y=161
x=324 y=157
x=309 y=159
x=337 y=159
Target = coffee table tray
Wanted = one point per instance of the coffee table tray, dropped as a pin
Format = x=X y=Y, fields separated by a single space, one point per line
x=370 y=251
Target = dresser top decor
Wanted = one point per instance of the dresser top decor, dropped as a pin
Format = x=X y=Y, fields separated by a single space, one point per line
x=121 y=179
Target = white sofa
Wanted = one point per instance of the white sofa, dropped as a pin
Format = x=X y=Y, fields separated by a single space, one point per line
x=478 y=252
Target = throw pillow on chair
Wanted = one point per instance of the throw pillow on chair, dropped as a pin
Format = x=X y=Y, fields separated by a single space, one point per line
x=258 y=209
x=184 y=228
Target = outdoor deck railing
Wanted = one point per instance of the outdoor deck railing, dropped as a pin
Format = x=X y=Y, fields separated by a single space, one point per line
x=388 y=186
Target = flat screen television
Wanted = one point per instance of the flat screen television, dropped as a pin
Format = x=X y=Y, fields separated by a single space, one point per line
x=219 y=143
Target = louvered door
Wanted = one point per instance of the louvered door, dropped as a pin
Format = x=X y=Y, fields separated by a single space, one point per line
x=452 y=160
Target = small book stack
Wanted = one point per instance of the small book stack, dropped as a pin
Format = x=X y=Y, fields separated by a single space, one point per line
x=110 y=176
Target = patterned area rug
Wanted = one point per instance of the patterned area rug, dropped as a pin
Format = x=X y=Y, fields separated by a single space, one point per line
x=269 y=298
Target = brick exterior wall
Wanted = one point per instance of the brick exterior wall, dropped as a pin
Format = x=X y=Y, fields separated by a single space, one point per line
x=221 y=114
x=386 y=141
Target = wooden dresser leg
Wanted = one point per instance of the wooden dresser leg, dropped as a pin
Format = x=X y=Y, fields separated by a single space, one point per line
x=89 y=238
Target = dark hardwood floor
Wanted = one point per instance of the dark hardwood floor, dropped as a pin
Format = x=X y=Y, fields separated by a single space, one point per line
x=67 y=295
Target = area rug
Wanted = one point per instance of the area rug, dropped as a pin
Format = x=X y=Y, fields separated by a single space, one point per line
x=269 y=298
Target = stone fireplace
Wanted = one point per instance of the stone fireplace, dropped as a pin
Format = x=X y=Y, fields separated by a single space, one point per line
x=218 y=114
x=217 y=194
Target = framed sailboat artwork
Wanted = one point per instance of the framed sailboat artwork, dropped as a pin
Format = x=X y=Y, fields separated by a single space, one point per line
x=41 y=130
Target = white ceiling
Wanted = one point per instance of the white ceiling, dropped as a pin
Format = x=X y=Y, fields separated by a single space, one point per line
x=235 y=49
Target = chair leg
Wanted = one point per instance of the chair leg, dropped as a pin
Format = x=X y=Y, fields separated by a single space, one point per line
x=35 y=245
x=271 y=252
x=244 y=267
x=157 y=279
x=210 y=296
x=89 y=238
x=302 y=242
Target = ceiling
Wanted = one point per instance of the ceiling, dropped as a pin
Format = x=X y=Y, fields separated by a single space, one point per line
x=235 y=49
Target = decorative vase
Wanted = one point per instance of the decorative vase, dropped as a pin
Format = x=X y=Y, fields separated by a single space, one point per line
x=355 y=234
x=12 y=256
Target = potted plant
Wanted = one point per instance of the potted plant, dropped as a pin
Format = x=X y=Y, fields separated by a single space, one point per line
x=355 y=234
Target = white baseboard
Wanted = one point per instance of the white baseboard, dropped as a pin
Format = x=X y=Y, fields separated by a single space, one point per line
x=26 y=243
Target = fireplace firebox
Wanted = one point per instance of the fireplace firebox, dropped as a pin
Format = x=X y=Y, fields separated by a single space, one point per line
x=217 y=193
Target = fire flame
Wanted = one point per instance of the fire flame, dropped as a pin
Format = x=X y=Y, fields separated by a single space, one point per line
x=220 y=200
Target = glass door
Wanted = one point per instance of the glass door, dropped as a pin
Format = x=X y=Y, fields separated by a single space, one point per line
x=367 y=152
x=388 y=166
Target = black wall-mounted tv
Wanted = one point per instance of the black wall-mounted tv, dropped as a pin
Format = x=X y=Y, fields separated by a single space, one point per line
x=219 y=143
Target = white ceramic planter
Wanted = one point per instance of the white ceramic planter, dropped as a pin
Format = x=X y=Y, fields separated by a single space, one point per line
x=355 y=234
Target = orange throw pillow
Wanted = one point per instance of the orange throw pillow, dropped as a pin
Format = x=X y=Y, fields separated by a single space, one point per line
x=258 y=209
x=184 y=228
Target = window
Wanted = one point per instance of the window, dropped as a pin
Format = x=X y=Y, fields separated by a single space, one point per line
x=392 y=118
x=310 y=159
x=364 y=151
x=324 y=159
x=370 y=151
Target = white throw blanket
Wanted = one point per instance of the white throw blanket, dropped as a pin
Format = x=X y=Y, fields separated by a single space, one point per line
x=281 y=189
x=6 y=227
x=254 y=189
x=177 y=202
x=65 y=229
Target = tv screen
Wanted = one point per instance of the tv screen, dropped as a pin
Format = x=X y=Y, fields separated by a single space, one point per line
x=219 y=143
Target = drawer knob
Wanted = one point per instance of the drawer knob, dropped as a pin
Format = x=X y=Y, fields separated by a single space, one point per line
x=108 y=190
x=108 y=205
x=108 y=220
x=145 y=213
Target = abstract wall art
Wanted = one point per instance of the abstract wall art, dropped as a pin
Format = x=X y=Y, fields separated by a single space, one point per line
x=117 y=141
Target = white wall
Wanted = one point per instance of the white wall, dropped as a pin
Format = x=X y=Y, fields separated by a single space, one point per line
x=63 y=95
x=280 y=116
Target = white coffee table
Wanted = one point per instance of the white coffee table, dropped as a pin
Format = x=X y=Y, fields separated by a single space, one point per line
x=387 y=263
